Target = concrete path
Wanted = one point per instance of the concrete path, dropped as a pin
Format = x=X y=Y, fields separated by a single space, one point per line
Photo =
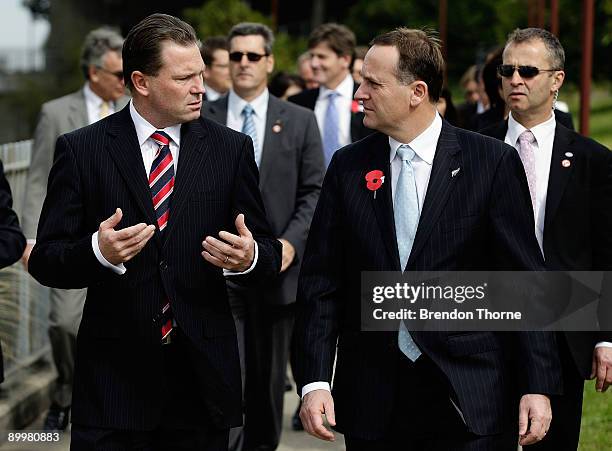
x=291 y=440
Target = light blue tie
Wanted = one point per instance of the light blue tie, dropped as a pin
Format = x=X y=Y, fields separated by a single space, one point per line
x=406 y=215
x=248 y=128
x=331 y=143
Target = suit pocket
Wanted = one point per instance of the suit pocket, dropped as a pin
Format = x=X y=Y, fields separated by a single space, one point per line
x=471 y=343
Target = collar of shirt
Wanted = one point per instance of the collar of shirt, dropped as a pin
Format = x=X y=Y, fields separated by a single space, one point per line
x=236 y=104
x=211 y=94
x=345 y=89
x=93 y=103
x=144 y=129
x=424 y=145
x=542 y=132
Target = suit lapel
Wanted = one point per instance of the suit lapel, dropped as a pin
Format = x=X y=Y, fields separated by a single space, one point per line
x=440 y=186
x=383 y=203
x=275 y=122
x=125 y=151
x=77 y=114
x=193 y=153
x=559 y=175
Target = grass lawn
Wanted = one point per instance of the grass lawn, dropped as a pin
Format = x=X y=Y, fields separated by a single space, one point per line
x=601 y=111
x=596 y=433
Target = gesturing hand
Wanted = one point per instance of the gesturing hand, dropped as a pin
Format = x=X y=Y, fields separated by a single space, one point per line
x=235 y=252
x=314 y=405
x=120 y=246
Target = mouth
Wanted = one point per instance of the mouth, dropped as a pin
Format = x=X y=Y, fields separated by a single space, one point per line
x=195 y=105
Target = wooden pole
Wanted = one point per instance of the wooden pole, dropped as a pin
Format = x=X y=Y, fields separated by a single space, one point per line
x=531 y=13
x=540 y=13
x=554 y=17
x=587 y=64
x=274 y=14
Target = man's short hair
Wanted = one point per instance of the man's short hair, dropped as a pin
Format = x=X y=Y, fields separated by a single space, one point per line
x=253 y=28
x=210 y=46
x=420 y=57
x=338 y=37
x=556 y=54
x=142 y=47
x=96 y=44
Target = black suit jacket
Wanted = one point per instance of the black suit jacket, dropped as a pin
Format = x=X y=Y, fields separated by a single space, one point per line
x=118 y=371
x=577 y=220
x=291 y=173
x=479 y=219
x=308 y=99
x=12 y=241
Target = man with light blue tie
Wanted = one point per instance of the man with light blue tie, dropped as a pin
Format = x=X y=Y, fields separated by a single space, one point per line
x=450 y=200
x=340 y=117
x=288 y=153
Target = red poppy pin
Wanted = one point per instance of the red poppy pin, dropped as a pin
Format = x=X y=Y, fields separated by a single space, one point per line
x=356 y=107
x=374 y=180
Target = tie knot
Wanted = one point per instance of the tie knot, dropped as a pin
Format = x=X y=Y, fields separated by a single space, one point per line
x=405 y=152
x=332 y=95
x=247 y=110
x=526 y=137
x=161 y=138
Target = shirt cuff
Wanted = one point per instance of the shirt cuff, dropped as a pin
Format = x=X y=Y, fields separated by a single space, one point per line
x=603 y=344
x=117 y=269
x=227 y=272
x=315 y=386
x=31 y=241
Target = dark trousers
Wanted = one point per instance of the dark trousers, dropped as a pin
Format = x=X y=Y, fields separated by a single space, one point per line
x=264 y=334
x=564 y=432
x=425 y=419
x=184 y=423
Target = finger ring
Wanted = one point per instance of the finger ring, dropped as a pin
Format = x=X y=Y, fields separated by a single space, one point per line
x=226 y=259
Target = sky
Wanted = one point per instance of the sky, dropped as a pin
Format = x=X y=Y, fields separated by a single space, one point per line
x=18 y=29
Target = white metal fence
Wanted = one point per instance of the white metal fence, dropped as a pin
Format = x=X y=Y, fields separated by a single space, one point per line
x=24 y=304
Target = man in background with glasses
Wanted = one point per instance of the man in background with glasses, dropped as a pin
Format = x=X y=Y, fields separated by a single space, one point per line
x=570 y=182
x=102 y=94
x=217 y=81
x=290 y=159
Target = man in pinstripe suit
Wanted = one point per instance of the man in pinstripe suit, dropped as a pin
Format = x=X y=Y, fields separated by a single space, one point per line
x=157 y=360
x=424 y=390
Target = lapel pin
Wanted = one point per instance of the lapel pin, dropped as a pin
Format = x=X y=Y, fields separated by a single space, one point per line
x=277 y=127
x=455 y=172
x=566 y=163
x=569 y=154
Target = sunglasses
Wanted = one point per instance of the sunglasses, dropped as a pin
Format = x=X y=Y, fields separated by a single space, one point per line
x=118 y=74
x=251 y=56
x=507 y=70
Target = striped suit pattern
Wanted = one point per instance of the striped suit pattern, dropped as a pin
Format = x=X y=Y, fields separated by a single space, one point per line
x=119 y=376
x=479 y=219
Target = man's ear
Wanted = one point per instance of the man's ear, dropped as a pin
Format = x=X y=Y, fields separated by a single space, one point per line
x=559 y=77
x=140 y=83
x=420 y=93
x=92 y=71
x=270 y=63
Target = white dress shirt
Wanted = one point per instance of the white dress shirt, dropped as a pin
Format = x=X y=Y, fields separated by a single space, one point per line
x=94 y=105
x=211 y=94
x=424 y=147
x=545 y=135
x=235 y=119
x=343 y=105
x=148 y=149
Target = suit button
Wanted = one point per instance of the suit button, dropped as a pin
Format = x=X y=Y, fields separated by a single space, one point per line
x=157 y=318
x=163 y=265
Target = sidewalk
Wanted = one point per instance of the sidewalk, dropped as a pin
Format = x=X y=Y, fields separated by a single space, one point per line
x=291 y=440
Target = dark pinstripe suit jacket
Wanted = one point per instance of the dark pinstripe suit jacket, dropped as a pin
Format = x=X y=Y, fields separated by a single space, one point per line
x=577 y=221
x=479 y=219
x=99 y=168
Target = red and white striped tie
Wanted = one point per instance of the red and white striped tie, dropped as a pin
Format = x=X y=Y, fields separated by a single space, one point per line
x=161 y=183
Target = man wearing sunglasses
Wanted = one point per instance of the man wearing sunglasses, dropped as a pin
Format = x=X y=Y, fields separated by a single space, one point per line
x=290 y=159
x=102 y=94
x=570 y=181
